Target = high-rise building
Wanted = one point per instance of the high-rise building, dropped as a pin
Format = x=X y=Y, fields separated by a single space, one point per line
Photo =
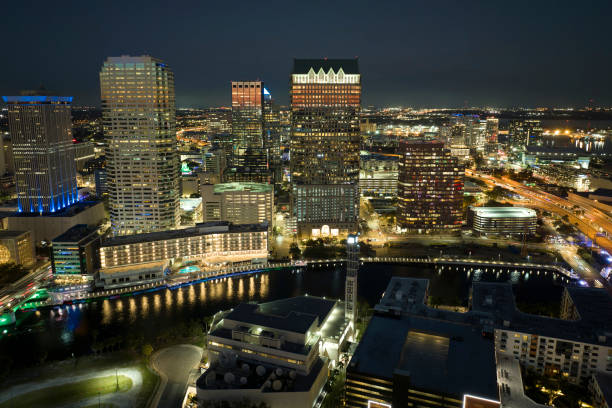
x=430 y=188
x=492 y=129
x=139 y=127
x=249 y=158
x=325 y=136
x=525 y=132
x=41 y=134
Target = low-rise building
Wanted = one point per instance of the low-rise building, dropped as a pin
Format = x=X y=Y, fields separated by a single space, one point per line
x=17 y=247
x=134 y=259
x=45 y=227
x=502 y=220
x=276 y=352
x=76 y=252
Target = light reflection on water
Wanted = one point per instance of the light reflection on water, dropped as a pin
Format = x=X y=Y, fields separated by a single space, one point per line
x=151 y=314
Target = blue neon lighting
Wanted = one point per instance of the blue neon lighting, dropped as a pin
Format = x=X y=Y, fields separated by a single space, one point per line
x=37 y=98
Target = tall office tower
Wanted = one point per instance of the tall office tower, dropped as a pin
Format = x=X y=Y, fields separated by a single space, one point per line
x=272 y=136
x=492 y=129
x=525 y=132
x=352 y=267
x=41 y=134
x=139 y=128
x=430 y=188
x=325 y=104
x=249 y=158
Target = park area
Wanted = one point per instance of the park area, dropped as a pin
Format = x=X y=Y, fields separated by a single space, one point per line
x=90 y=382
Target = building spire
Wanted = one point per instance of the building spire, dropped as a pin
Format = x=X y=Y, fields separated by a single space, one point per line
x=352 y=267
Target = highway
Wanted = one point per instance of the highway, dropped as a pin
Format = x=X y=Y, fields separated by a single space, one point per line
x=591 y=223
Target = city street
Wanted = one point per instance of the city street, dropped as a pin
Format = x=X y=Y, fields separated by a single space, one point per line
x=176 y=365
x=24 y=286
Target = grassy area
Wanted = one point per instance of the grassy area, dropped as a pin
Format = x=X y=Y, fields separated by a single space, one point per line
x=71 y=392
x=149 y=381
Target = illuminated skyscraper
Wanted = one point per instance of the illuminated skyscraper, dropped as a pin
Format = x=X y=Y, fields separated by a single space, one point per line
x=41 y=134
x=525 y=132
x=139 y=128
x=430 y=188
x=492 y=129
x=249 y=158
x=325 y=104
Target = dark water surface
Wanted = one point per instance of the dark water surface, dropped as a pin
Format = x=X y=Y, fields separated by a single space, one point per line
x=70 y=329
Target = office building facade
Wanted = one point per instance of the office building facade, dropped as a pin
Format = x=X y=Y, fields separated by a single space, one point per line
x=238 y=203
x=41 y=134
x=76 y=252
x=249 y=157
x=430 y=188
x=325 y=138
x=139 y=121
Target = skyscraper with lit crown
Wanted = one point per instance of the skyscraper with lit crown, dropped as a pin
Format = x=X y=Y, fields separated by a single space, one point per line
x=325 y=104
x=40 y=125
x=138 y=109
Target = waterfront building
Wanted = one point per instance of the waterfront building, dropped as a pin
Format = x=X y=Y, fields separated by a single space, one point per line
x=541 y=155
x=413 y=353
x=430 y=188
x=17 y=247
x=142 y=258
x=404 y=359
x=276 y=352
x=325 y=137
x=76 y=253
x=249 y=158
x=142 y=169
x=43 y=154
x=502 y=221
x=238 y=203
x=527 y=132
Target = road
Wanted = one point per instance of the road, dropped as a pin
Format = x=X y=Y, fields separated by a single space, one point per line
x=175 y=364
x=23 y=287
x=591 y=224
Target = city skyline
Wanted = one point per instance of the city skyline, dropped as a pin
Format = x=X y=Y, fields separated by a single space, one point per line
x=443 y=54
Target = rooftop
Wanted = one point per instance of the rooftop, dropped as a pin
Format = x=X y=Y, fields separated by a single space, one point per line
x=245 y=186
x=4 y=234
x=76 y=234
x=435 y=354
x=69 y=211
x=213 y=227
x=498 y=212
x=295 y=314
x=349 y=66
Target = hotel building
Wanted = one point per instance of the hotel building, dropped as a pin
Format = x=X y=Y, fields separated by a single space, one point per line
x=325 y=104
x=134 y=259
x=142 y=170
x=276 y=352
x=40 y=126
x=430 y=188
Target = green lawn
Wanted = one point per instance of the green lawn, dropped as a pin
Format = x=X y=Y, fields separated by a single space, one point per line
x=68 y=393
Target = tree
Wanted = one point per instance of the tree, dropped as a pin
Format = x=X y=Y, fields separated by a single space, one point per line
x=147 y=350
x=294 y=251
x=468 y=200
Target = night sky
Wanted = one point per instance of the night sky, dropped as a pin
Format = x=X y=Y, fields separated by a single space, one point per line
x=412 y=53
